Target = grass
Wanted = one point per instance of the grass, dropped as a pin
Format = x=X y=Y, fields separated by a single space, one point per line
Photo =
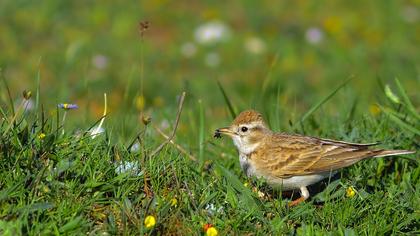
x=71 y=183
x=56 y=178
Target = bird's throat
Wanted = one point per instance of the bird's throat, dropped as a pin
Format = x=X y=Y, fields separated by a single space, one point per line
x=244 y=147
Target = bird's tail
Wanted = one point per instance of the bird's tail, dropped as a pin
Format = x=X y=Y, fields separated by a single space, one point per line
x=385 y=153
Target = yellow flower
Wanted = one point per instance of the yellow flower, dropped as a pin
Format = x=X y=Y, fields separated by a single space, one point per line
x=140 y=102
x=261 y=195
x=374 y=110
x=41 y=136
x=174 y=202
x=149 y=222
x=350 y=192
x=211 y=231
x=333 y=24
x=246 y=184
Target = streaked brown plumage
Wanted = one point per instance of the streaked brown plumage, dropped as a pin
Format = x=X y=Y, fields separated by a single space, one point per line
x=292 y=161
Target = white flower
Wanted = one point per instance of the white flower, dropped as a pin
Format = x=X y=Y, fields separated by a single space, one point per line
x=135 y=147
x=131 y=167
x=212 y=59
x=100 y=61
x=211 y=209
x=188 y=49
x=28 y=105
x=164 y=124
x=255 y=45
x=410 y=14
x=314 y=35
x=95 y=131
x=212 y=32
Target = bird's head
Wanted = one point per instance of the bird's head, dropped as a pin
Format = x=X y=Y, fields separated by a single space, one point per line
x=247 y=131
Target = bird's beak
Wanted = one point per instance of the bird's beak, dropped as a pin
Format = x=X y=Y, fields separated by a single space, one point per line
x=225 y=130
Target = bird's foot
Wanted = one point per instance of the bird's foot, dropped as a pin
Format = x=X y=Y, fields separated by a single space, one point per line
x=296 y=202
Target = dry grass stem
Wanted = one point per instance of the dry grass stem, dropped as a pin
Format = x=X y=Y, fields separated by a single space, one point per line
x=169 y=139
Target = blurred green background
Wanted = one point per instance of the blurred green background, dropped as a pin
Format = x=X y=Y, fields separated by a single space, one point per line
x=264 y=53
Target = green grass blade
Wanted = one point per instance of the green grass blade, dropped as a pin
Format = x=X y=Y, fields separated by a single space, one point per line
x=407 y=101
x=245 y=193
x=400 y=122
x=267 y=79
x=72 y=224
x=12 y=107
x=201 y=133
x=320 y=103
x=228 y=103
x=38 y=85
x=38 y=89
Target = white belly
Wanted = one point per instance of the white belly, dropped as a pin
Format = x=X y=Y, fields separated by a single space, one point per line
x=295 y=182
x=291 y=183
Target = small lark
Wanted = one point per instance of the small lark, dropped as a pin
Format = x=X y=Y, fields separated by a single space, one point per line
x=292 y=161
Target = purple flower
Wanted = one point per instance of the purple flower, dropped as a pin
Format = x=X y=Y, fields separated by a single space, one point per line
x=314 y=35
x=67 y=106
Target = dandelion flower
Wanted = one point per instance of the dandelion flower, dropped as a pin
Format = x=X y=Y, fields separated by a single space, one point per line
x=41 y=136
x=350 y=192
x=149 y=222
x=212 y=231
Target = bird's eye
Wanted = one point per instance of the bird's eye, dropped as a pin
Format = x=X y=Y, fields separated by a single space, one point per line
x=244 y=129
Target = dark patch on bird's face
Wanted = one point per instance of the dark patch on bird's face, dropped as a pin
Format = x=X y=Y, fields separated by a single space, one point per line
x=217 y=134
x=254 y=134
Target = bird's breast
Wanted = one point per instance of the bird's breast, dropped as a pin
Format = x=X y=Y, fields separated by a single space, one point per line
x=246 y=165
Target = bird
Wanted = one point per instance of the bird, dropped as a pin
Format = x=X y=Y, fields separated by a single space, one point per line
x=292 y=161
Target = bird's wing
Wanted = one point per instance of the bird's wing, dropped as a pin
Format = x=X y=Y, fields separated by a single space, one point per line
x=290 y=155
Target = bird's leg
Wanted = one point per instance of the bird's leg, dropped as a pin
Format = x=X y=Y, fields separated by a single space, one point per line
x=304 y=194
x=287 y=193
